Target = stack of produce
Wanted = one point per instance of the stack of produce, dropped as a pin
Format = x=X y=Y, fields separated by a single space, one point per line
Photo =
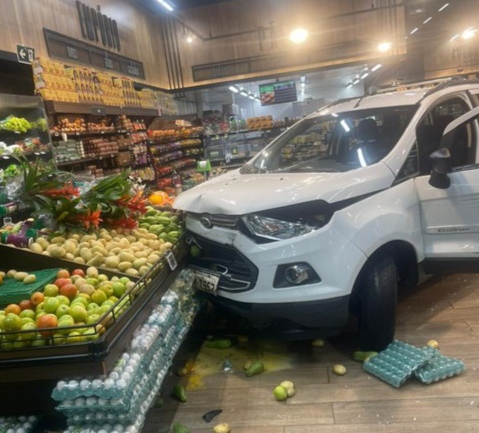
x=60 y=307
x=120 y=400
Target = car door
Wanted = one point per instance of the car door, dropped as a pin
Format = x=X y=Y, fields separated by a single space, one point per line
x=450 y=214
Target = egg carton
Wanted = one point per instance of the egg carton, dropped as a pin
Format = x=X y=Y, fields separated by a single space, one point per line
x=439 y=367
x=397 y=363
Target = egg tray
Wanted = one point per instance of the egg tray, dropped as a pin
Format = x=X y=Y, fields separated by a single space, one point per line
x=397 y=363
x=13 y=291
x=439 y=367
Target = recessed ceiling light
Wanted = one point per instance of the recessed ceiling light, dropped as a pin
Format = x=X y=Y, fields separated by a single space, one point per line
x=375 y=68
x=384 y=46
x=364 y=76
x=234 y=89
x=298 y=35
x=413 y=31
x=426 y=21
x=468 y=33
x=443 y=7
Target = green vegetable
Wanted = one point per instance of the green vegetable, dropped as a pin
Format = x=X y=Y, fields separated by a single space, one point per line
x=195 y=251
x=180 y=428
x=222 y=343
x=362 y=356
x=179 y=393
x=256 y=368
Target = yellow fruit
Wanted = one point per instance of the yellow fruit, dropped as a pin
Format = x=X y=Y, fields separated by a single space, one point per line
x=339 y=369
x=433 y=343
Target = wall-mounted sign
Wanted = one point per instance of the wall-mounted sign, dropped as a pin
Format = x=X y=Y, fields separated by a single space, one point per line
x=277 y=93
x=97 y=27
x=25 y=54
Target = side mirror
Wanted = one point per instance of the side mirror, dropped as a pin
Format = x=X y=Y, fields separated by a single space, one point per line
x=441 y=166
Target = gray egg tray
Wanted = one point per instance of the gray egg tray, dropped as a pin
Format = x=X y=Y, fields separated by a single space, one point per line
x=399 y=361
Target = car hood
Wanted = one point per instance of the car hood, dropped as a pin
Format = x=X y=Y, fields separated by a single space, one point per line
x=238 y=194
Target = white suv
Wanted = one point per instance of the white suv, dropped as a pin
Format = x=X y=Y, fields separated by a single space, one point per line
x=362 y=195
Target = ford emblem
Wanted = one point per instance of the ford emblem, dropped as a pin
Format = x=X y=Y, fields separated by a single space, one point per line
x=206 y=222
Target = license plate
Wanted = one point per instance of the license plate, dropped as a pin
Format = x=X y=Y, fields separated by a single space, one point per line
x=206 y=282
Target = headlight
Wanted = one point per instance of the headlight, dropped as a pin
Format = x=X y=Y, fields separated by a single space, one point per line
x=274 y=229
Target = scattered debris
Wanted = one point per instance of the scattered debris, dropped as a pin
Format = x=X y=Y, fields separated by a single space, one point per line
x=222 y=428
x=255 y=368
x=179 y=393
x=209 y=416
x=339 y=369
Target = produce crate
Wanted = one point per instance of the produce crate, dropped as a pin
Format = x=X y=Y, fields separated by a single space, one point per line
x=14 y=291
x=90 y=357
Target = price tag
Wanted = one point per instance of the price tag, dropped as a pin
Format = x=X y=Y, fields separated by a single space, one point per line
x=64 y=136
x=170 y=258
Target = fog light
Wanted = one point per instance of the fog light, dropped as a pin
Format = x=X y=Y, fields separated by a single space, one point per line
x=296 y=274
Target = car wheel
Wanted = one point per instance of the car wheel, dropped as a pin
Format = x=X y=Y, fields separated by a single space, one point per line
x=378 y=299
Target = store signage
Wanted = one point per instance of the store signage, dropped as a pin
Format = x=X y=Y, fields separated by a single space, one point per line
x=25 y=54
x=97 y=27
x=277 y=93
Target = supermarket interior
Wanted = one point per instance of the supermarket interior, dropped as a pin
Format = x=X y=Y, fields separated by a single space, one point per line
x=198 y=235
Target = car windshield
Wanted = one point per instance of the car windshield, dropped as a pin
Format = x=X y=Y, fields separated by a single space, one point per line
x=334 y=142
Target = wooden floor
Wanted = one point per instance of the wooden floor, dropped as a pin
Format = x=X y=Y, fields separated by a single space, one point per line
x=444 y=308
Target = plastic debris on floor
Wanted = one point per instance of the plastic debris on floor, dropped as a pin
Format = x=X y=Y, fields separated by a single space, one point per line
x=401 y=361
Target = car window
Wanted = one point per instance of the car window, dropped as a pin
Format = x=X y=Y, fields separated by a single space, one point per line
x=335 y=142
x=430 y=129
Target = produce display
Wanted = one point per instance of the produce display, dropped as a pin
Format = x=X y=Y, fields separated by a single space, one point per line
x=74 y=307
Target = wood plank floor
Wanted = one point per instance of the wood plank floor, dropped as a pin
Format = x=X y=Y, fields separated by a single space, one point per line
x=444 y=308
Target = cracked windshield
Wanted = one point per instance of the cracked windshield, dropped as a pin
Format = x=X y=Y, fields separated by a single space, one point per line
x=336 y=142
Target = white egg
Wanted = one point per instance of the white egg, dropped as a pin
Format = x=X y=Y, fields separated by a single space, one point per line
x=84 y=384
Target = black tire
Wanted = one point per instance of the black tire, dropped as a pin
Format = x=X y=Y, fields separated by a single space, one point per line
x=378 y=300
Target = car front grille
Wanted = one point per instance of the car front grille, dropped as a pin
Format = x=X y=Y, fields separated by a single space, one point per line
x=236 y=273
x=224 y=221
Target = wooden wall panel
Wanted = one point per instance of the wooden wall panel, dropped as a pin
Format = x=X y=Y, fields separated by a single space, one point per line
x=22 y=21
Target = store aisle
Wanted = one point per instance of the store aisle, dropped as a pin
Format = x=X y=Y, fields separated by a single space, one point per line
x=444 y=309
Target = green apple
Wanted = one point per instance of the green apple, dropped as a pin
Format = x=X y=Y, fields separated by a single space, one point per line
x=79 y=300
x=74 y=337
x=63 y=299
x=118 y=289
x=124 y=280
x=92 y=306
x=102 y=277
x=93 y=318
x=107 y=287
x=92 y=281
x=51 y=290
x=99 y=297
x=51 y=304
x=39 y=308
x=28 y=335
x=62 y=310
x=27 y=313
x=39 y=341
x=78 y=312
x=27 y=320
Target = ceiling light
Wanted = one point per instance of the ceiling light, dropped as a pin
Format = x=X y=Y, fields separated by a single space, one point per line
x=166 y=5
x=454 y=37
x=414 y=31
x=426 y=21
x=468 y=33
x=375 y=68
x=384 y=46
x=251 y=96
x=356 y=81
x=364 y=76
x=298 y=35
x=302 y=85
x=234 y=89
x=243 y=92
x=345 y=125
x=190 y=39
x=302 y=79
x=350 y=85
x=443 y=7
